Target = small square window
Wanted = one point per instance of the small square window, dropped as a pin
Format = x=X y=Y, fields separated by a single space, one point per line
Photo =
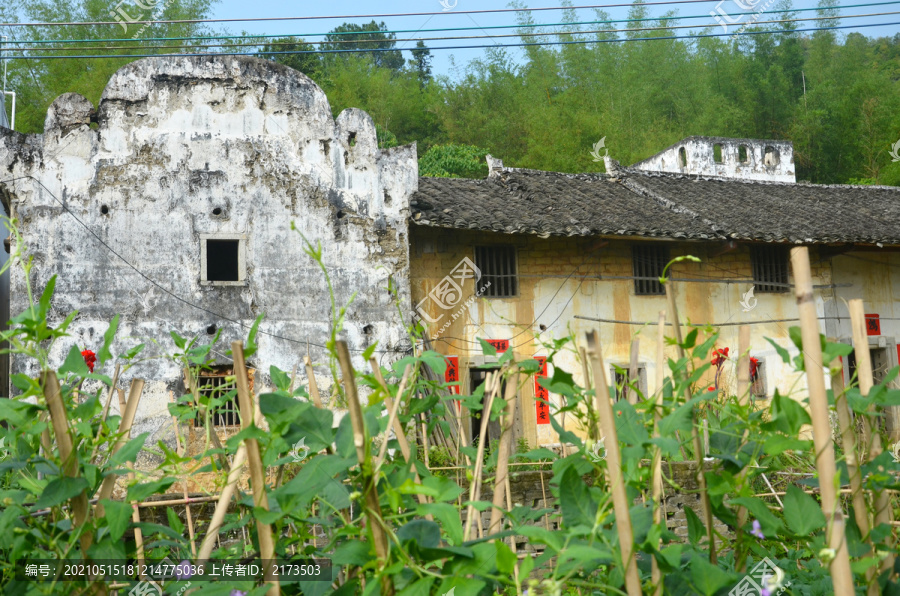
x=649 y=260
x=223 y=260
x=770 y=268
x=498 y=266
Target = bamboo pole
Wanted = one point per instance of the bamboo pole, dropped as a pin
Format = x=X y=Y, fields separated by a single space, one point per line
x=656 y=481
x=313 y=386
x=370 y=491
x=67 y=456
x=398 y=428
x=135 y=510
x=394 y=422
x=179 y=449
x=491 y=385
x=257 y=471
x=633 y=371
x=614 y=465
x=128 y=412
x=501 y=478
x=743 y=376
x=218 y=517
x=695 y=436
x=841 y=575
x=585 y=371
x=881 y=499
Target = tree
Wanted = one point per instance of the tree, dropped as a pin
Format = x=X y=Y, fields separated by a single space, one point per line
x=307 y=63
x=421 y=62
x=454 y=161
x=370 y=36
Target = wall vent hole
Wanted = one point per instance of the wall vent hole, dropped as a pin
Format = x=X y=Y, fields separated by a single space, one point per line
x=217 y=211
x=352 y=139
x=104 y=210
x=211 y=330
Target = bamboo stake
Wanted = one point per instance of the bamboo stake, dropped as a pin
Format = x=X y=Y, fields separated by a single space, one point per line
x=695 y=436
x=501 y=478
x=656 y=481
x=614 y=464
x=398 y=428
x=585 y=371
x=128 y=412
x=257 y=471
x=841 y=575
x=743 y=376
x=633 y=371
x=880 y=498
x=490 y=389
x=394 y=422
x=313 y=386
x=187 y=508
x=370 y=491
x=135 y=510
x=212 y=533
x=67 y=456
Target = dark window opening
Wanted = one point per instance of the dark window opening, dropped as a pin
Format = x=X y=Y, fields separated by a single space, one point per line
x=682 y=157
x=770 y=268
x=352 y=139
x=758 y=381
x=742 y=154
x=213 y=385
x=222 y=262
x=717 y=153
x=621 y=376
x=771 y=158
x=649 y=262
x=498 y=268
x=476 y=379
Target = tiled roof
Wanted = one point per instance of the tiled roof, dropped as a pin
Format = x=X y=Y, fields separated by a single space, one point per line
x=637 y=203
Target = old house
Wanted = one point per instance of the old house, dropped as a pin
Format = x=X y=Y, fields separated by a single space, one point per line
x=172 y=203
x=555 y=254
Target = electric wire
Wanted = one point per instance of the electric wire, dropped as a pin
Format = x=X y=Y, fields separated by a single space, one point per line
x=505 y=35
x=463 y=47
x=437 y=30
x=346 y=17
x=167 y=291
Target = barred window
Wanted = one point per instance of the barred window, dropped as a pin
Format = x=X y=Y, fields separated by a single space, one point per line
x=498 y=266
x=770 y=268
x=649 y=261
x=758 y=381
x=213 y=384
x=621 y=375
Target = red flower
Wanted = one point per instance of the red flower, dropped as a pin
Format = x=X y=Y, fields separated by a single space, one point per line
x=754 y=367
x=711 y=389
x=89 y=358
x=720 y=356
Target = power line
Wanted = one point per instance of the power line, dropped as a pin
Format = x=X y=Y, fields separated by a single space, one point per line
x=437 y=30
x=364 y=16
x=167 y=291
x=464 y=47
x=506 y=35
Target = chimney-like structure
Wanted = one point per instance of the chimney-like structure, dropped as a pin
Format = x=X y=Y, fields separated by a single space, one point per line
x=741 y=159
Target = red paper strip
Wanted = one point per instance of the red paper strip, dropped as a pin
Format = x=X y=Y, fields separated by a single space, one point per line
x=873 y=325
x=541 y=395
x=501 y=345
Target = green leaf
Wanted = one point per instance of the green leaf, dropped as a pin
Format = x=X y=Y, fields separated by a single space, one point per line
x=251 y=346
x=140 y=492
x=801 y=512
x=75 y=363
x=426 y=534
x=506 y=559
x=708 y=578
x=128 y=452
x=352 y=552
x=696 y=529
x=174 y=521
x=448 y=515
x=679 y=420
x=367 y=353
x=280 y=379
x=576 y=503
x=487 y=348
x=118 y=516
x=180 y=342
x=60 y=490
x=690 y=340
x=785 y=355
x=769 y=524
x=104 y=354
x=787 y=415
x=47 y=295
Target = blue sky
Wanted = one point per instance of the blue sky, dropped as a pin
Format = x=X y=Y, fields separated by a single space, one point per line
x=443 y=59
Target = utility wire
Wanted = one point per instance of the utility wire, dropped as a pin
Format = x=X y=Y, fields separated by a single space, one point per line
x=364 y=16
x=517 y=35
x=303 y=36
x=167 y=291
x=464 y=47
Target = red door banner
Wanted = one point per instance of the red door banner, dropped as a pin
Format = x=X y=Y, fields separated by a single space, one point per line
x=501 y=345
x=873 y=325
x=541 y=395
x=451 y=375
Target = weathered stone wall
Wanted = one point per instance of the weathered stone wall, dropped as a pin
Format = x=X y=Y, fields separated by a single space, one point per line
x=758 y=160
x=112 y=198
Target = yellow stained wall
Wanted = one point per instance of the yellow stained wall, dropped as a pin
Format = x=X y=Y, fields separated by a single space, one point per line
x=561 y=278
